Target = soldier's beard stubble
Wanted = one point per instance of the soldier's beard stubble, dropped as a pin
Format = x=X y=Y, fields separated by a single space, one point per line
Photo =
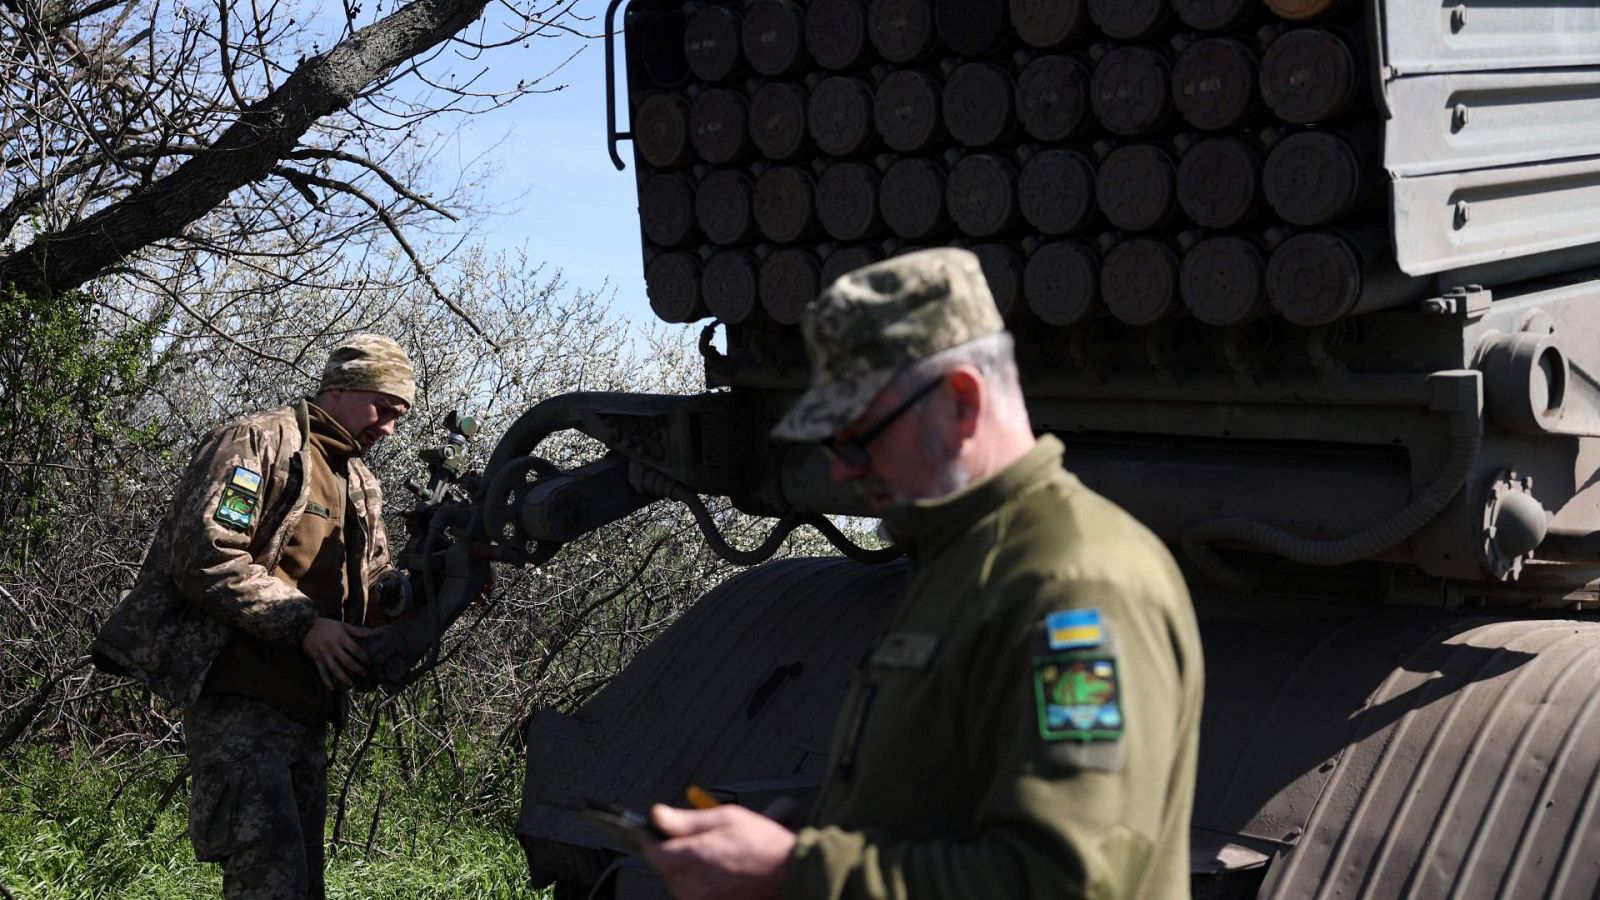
x=947 y=477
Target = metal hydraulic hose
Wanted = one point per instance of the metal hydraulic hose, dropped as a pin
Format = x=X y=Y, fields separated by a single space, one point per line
x=1198 y=538
x=661 y=485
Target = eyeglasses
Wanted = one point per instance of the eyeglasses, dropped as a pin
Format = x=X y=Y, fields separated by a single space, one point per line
x=852 y=451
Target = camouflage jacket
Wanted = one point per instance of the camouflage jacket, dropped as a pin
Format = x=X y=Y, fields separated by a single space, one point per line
x=204 y=577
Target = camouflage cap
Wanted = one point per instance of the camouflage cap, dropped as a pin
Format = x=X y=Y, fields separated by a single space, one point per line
x=873 y=322
x=370 y=362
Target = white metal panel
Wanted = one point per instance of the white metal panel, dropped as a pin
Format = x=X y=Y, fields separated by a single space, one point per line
x=1457 y=219
x=1449 y=123
x=1474 y=35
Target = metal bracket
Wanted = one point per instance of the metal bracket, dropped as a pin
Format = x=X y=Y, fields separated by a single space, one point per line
x=1468 y=302
x=612 y=134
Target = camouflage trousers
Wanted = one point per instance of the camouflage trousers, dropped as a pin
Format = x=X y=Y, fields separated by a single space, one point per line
x=260 y=797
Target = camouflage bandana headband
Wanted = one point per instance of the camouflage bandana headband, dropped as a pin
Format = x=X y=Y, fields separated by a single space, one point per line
x=873 y=322
x=370 y=362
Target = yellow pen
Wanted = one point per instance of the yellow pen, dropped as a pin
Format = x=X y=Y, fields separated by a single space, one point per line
x=698 y=798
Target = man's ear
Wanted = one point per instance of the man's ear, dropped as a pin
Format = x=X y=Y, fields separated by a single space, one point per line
x=970 y=394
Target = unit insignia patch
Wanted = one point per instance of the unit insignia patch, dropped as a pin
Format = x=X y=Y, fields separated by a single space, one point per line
x=240 y=497
x=1077 y=697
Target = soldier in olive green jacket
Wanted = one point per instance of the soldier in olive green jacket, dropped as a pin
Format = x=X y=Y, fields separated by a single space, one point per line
x=1027 y=723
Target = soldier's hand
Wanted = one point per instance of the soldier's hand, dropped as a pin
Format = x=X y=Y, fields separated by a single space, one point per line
x=727 y=852
x=331 y=644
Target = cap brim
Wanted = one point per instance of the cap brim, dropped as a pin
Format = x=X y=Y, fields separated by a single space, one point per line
x=826 y=408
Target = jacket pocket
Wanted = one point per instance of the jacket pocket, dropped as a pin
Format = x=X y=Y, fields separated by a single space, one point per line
x=213 y=812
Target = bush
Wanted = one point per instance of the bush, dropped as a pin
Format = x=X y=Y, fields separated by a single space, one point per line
x=65 y=379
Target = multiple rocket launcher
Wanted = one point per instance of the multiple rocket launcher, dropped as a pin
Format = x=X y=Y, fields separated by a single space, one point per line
x=1136 y=159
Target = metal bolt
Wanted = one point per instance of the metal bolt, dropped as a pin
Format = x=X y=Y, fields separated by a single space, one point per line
x=1458 y=116
x=1463 y=213
x=1458 y=18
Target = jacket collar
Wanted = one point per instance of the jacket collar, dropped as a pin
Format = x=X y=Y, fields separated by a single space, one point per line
x=335 y=442
x=925 y=527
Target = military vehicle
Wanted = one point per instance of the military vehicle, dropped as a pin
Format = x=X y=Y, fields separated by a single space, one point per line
x=1302 y=284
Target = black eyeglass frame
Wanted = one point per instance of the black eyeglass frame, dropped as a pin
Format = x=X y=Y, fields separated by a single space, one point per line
x=852 y=451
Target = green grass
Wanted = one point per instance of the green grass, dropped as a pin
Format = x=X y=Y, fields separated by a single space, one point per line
x=72 y=826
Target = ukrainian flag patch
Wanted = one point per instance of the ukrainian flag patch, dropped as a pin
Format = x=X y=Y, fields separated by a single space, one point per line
x=240 y=496
x=245 y=479
x=1073 y=629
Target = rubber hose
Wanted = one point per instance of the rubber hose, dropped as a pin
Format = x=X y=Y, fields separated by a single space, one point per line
x=848 y=547
x=1334 y=551
x=662 y=486
x=727 y=551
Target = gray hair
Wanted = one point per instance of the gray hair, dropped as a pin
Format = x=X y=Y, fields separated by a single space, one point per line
x=993 y=355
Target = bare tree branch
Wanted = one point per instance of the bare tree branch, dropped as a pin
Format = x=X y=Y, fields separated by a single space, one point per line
x=219 y=332
x=247 y=151
x=384 y=216
x=394 y=183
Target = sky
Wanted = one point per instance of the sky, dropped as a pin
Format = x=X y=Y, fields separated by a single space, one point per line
x=553 y=184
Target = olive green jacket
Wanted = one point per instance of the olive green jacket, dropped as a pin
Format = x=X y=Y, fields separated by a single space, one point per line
x=202 y=578
x=943 y=782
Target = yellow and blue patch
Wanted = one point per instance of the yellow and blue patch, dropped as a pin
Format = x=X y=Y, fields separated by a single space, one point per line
x=246 y=480
x=236 y=508
x=1073 y=629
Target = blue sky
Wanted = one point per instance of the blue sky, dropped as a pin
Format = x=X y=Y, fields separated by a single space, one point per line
x=553 y=182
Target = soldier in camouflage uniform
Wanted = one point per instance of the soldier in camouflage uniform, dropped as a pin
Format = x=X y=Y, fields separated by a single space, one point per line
x=1027 y=724
x=265 y=571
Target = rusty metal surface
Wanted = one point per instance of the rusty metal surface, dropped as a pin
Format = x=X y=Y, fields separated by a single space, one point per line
x=744 y=686
x=1470 y=772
